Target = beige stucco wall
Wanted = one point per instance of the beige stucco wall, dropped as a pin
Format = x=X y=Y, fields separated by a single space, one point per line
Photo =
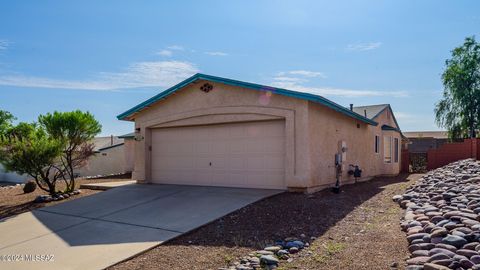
x=129 y=155
x=327 y=128
x=108 y=161
x=312 y=130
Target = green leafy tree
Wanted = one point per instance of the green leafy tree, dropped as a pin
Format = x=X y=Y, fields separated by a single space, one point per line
x=459 y=109
x=50 y=150
x=6 y=119
x=27 y=149
x=76 y=131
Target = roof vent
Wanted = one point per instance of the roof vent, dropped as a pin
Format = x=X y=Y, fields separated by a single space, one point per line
x=351 y=107
x=365 y=113
x=206 y=87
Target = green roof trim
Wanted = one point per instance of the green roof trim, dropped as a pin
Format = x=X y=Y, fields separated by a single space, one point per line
x=127 y=136
x=390 y=128
x=284 y=92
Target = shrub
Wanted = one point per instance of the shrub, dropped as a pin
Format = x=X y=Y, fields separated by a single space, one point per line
x=29 y=187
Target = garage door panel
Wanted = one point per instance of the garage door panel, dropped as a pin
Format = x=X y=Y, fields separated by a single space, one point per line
x=254 y=146
x=255 y=163
x=201 y=163
x=237 y=146
x=200 y=133
x=236 y=163
x=254 y=131
x=273 y=146
x=219 y=163
x=235 y=155
x=237 y=132
x=201 y=147
x=220 y=148
x=274 y=163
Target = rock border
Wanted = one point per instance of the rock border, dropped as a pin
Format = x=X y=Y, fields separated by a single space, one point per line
x=56 y=197
x=442 y=219
x=270 y=257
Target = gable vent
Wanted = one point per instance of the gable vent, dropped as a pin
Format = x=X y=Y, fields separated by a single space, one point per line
x=206 y=87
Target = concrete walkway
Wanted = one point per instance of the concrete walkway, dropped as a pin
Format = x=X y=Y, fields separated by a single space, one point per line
x=100 y=230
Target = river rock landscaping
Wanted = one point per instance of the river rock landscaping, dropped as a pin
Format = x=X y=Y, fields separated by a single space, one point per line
x=442 y=219
x=56 y=197
x=269 y=258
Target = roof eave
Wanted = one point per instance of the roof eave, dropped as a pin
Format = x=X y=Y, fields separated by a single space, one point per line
x=128 y=115
x=110 y=146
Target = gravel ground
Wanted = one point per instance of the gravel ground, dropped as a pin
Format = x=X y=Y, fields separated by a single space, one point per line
x=357 y=229
x=13 y=201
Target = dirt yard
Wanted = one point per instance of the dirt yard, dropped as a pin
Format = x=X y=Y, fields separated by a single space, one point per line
x=13 y=201
x=357 y=229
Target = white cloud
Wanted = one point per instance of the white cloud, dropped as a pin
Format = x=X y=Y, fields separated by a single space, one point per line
x=364 y=46
x=216 y=53
x=142 y=74
x=304 y=73
x=342 y=92
x=165 y=53
x=4 y=44
x=288 y=79
x=176 y=48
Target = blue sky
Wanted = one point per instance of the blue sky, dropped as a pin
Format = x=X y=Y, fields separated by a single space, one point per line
x=107 y=56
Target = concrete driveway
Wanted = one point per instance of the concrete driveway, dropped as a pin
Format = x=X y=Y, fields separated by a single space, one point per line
x=97 y=231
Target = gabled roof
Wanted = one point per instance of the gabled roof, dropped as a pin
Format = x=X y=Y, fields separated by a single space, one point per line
x=258 y=87
x=371 y=111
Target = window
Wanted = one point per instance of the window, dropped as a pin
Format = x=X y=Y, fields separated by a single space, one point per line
x=377 y=144
x=387 y=149
x=395 y=149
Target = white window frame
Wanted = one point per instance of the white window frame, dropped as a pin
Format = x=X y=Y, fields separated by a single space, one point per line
x=396 y=150
x=389 y=139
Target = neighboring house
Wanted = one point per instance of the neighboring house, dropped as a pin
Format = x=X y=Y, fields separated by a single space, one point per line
x=109 y=158
x=421 y=141
x=215 y=131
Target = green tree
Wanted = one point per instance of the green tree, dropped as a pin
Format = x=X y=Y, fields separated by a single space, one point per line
x=50 y=150
x=27 y=149
x=6 y=119
x=76 y=131
x=459 y=109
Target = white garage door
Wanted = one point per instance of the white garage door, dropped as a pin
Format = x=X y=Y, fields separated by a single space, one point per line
x=248 y=155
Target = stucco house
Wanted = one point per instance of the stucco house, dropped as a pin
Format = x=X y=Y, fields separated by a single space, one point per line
x=215 y=131
x=113 y=155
